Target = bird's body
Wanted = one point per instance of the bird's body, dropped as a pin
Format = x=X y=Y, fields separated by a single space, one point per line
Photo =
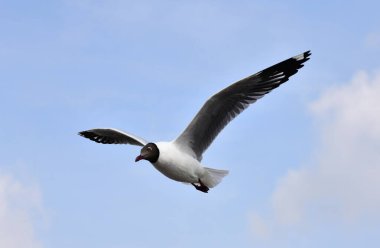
x=180 y=159
x=178 y=165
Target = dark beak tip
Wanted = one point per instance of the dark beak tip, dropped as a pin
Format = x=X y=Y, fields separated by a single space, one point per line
x=138 y=158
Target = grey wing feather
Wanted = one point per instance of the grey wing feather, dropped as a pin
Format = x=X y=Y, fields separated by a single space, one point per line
x=112 y=136
x=224 y=106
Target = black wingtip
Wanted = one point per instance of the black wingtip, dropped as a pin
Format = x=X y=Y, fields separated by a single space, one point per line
x=299 y=61
x=307 y=55
x=303 y=57
x=90 y=135
x=98 y=138
x=84 y=134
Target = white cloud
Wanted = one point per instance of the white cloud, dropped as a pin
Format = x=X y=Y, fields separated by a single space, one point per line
x=19 y=204
x=342 y=184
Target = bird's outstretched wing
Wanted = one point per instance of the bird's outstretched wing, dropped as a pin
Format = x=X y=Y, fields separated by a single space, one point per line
x=112 y=136
x=224 y=106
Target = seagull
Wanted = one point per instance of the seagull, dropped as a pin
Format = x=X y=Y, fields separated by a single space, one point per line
x=180 y=159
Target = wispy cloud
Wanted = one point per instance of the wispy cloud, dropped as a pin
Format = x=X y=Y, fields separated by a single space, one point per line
x=19 y=204
x=342 y=183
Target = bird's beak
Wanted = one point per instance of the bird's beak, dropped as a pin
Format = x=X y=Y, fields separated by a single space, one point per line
x=138 y=158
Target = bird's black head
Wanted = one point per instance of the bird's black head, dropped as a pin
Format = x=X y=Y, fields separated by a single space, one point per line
x=149 y=152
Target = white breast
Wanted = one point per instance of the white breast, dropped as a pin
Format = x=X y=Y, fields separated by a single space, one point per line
x=178 y=165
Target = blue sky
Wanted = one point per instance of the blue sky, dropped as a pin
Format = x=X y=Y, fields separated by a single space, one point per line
x=303 y=161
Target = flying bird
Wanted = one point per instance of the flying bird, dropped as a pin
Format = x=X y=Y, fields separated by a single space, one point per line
x=180 y=159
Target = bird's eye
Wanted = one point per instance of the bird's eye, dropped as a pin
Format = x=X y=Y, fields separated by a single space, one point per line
x=149 y=149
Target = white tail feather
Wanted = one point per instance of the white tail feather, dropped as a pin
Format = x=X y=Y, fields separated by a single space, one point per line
x=213 y=177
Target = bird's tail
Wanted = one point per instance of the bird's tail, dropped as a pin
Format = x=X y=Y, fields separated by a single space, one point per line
x=213 y=177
